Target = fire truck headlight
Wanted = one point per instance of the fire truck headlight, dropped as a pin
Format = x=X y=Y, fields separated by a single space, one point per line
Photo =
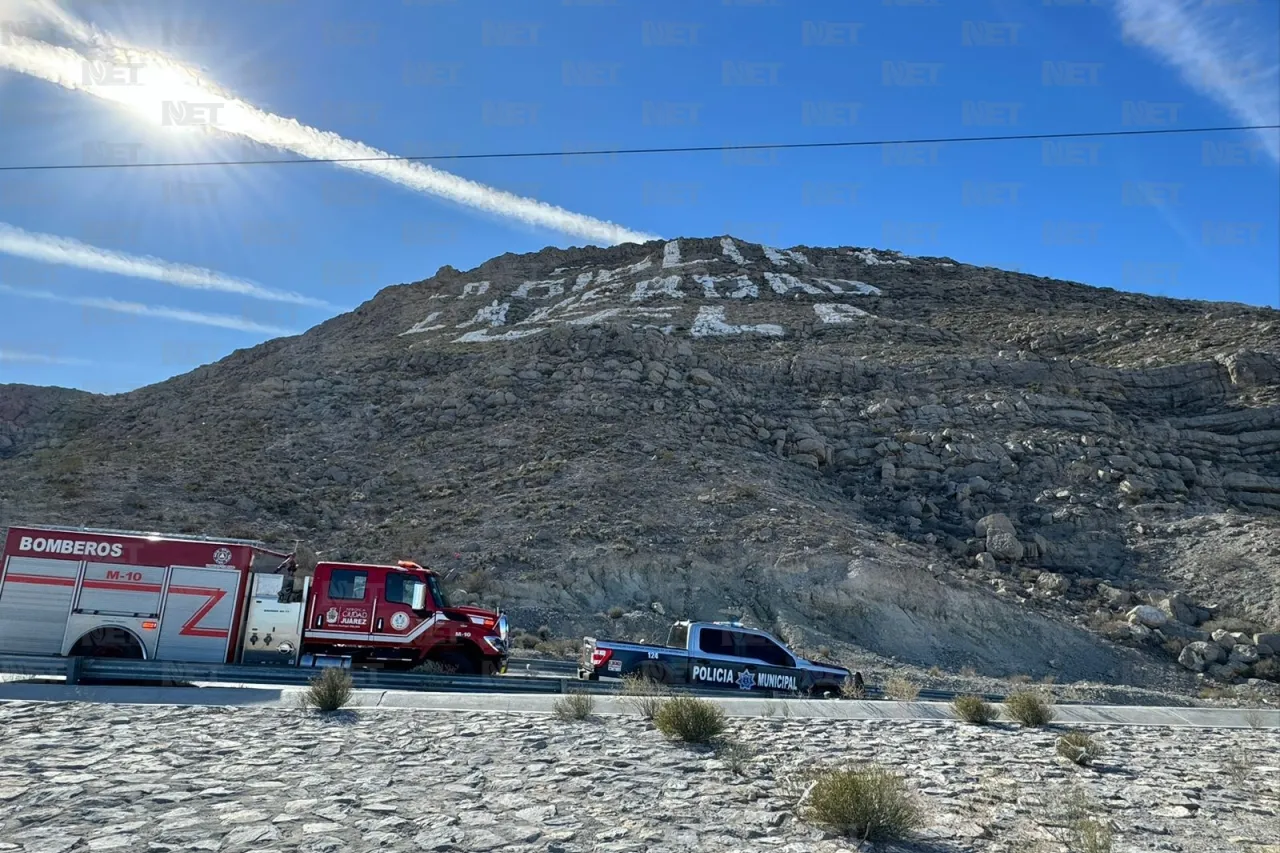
x=496 y=644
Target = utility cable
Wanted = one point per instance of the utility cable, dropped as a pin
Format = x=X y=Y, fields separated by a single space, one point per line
x=667 y=150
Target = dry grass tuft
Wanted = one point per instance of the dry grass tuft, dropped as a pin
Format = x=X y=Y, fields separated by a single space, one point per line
x=329 y=691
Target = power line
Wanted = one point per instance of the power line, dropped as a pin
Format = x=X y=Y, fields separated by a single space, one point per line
x=668 y=150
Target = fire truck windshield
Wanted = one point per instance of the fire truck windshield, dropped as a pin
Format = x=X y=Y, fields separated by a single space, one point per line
x=437 y=592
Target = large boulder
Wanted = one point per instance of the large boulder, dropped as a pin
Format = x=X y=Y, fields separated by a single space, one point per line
x=1145 y=614
x=1177 y=607
x=997 y=521
x=1115 y=598
x=1199 y=656
x=1247 y=655
x=1001 y=536
x=1052 y=583
x=1228 y=671
x=1004 y=546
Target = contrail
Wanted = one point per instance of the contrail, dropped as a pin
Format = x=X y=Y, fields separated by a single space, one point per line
x=168 y=92
x=223 y=321
x=11 y=356
x=1216 y=52
x=52 y=249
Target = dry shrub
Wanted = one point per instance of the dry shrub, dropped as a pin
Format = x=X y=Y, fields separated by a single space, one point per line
x=1090 y=835
x=1030 y=708
x=868 y=803
x=901 y=689
x=1079 y=748
x=734 y=755
x=690 y=719
x=974 y=709
x=433 y=667
x=329 y=691
x=851 y=689
x=574 y=706
x=643 y=694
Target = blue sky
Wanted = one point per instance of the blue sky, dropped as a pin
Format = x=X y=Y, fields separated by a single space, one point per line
x=1189 y=215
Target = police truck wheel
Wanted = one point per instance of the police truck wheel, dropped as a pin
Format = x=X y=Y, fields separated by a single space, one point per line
x=655 y=672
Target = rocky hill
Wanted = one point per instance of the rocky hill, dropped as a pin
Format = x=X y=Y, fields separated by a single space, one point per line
x=903 y=457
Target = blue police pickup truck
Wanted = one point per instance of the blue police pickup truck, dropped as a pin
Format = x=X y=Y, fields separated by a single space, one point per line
x=715 y=654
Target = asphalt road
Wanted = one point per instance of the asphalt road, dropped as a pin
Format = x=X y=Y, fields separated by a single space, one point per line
x=289 y=696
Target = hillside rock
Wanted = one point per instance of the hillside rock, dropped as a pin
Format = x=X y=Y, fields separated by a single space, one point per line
x=872 y=451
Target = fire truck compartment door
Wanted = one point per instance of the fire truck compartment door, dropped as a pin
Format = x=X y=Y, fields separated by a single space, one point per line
x=198 y=612
x=35 y=598
x=116 y=589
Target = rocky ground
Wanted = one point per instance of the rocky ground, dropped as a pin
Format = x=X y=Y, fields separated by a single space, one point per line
x=900 y=461
x=81 y=778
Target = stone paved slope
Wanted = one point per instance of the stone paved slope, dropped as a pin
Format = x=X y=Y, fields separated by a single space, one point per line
x=76 y=778
x=908 y=457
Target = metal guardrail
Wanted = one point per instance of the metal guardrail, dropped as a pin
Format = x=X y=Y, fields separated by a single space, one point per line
x=568 y=667
x=78 y=670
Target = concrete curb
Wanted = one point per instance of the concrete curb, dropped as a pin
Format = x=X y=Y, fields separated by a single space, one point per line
x=289 y=697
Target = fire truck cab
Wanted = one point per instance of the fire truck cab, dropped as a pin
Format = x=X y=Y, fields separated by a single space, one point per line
x=391 y=616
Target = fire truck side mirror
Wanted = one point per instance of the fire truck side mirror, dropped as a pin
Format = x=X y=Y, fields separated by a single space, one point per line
x=419 y=596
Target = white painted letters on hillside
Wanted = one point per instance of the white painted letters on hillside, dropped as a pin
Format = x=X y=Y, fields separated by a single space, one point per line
x=731 y=251
x=540 y=289
x=710 y=322
x=834 y=313
x=661 y=286
x=784 y=283
x=425 y=325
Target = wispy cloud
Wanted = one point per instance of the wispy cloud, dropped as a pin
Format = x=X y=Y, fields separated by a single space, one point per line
x=49 y=248
x=159 y=312
x=158 y=82
x=13 y=356
x=1219 y=51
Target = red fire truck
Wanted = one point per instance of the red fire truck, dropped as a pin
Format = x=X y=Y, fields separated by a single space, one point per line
x=96 y=592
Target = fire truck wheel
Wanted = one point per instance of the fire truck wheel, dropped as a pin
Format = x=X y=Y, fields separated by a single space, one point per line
x=458 y=663
x=108 y=642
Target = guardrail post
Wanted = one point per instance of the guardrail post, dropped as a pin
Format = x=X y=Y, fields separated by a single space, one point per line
x=73 y=670
x=564 y=684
